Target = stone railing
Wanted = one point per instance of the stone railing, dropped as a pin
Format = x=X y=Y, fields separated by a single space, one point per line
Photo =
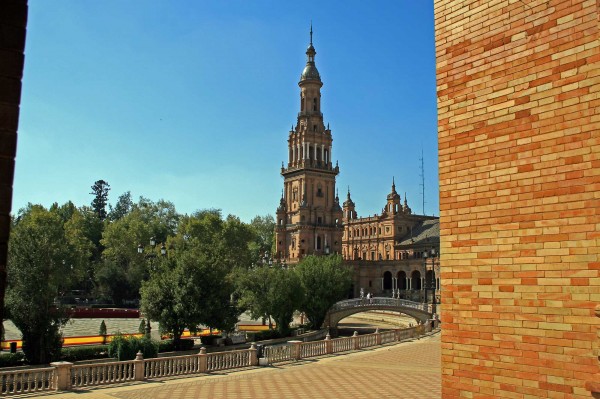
x=67 y=376
x=100 y=374
x=380 y=301
x=297 y=350
x=27 y=381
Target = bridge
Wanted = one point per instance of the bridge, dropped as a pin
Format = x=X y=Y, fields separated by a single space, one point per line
x=420 y=311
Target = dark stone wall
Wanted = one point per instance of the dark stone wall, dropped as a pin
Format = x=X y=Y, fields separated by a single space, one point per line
x=13 y=25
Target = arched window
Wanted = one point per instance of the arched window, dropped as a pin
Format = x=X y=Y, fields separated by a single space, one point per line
x=315 y=104
x=318 y=242
x=302 y=103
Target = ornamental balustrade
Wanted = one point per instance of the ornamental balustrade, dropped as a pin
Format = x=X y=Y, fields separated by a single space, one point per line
x=27 y=381
x=67 y=376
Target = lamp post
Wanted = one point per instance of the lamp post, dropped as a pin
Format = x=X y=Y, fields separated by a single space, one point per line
x=152 y=255
x=430 y=282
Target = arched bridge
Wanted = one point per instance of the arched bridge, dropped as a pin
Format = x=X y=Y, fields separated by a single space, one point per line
x=343 y=309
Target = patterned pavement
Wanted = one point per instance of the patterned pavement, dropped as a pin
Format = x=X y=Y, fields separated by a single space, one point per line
x=405 y=370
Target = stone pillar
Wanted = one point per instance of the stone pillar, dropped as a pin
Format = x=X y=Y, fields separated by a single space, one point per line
x=330 y=154
x=62 y=376
x=328 y=344
x=202 y=361
x=138 y=366
x=315 y=151
x=355 y=342
x=323 y=152
x=253 y=354
x=377 y=336
x=296 y=350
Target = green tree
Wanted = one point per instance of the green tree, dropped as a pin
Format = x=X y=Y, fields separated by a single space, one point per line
x=187 y=290
x=121 y=239
x=123 y=206
x=264 y=230
x=100 y=191
x=270 y=291
x=40 y=264
x=324 y=282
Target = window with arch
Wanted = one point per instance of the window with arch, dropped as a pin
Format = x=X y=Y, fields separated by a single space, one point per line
x=315 y=104
x=318 y=242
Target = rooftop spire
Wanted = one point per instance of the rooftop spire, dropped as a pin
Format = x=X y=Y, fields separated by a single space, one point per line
x=311 y=31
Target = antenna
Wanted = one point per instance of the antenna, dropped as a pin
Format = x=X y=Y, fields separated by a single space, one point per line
x=422 y=179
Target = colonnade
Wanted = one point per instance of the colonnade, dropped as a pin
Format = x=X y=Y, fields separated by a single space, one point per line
x=301 y=151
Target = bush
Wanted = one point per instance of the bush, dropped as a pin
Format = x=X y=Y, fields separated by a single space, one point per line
x=125 y=348
x=167 y=345
x=266 y=335
x=89 y=352
x=102 y=329
x=12 y=359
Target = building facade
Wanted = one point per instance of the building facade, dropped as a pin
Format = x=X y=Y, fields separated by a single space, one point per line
x=394 y=253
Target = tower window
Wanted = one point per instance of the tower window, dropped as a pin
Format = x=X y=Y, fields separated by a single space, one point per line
x=319 y=220
x=315 y=104
x=315 y=128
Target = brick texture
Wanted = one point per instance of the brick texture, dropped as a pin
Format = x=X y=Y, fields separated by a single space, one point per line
x=518 y=84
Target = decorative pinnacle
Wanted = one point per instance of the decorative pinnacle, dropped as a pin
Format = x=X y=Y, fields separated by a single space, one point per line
x=311 y=32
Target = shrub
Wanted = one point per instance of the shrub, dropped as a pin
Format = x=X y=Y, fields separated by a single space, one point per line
x=89 y=352
x=266 y=335
x=102 y=329
x=125 y=348
x=167 y=345
x=142 y=327
x=12 y=359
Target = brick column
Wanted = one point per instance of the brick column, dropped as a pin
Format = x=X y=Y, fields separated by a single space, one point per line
x=62 y=376
x=518 y=97
x=13 y=25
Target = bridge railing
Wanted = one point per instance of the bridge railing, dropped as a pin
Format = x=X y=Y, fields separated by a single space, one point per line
x=297 y=350
x=380 y=301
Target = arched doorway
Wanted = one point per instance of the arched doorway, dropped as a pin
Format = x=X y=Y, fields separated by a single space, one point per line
x=387 y=280
x=415 y=280
x=402 y=281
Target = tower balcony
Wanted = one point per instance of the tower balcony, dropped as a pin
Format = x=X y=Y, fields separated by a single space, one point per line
x=310 y=164
x=310 y=113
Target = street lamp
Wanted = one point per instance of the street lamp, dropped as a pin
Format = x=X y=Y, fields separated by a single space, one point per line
x=430 y=283
x=152 y=255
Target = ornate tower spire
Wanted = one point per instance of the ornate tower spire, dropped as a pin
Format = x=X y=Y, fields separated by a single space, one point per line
x=310 y=222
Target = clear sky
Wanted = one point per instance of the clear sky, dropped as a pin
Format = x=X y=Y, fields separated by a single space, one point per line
x=192 y=101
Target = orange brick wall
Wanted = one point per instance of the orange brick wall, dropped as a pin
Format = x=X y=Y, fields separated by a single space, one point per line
x=519 y=160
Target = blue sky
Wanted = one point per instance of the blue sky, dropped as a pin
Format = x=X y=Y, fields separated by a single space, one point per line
x=192 y=101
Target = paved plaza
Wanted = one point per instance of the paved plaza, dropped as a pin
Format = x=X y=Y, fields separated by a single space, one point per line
x=405 y=370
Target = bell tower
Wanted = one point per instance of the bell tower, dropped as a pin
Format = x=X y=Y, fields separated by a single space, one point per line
x=309 y=217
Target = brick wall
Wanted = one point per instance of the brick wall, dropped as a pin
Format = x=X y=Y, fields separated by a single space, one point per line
x=519 y=160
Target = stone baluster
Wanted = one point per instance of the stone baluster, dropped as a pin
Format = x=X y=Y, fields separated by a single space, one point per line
x=355 y=342
x=138 y=367
x=62 y=376
x=328 y=344
x=202 y=361
x=377 y=336
x=296 y=349
x=253 y=354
